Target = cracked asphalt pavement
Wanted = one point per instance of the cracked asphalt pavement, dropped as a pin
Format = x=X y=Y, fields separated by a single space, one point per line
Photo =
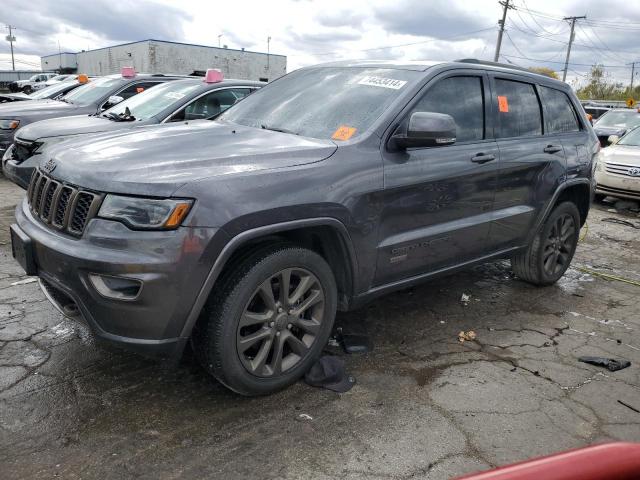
x=425 y=405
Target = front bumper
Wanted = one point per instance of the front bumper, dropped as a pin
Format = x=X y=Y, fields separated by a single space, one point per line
x=171 y=265
x=617 y=185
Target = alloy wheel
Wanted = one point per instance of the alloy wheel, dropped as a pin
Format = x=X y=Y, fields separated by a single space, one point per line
x=281 y=322
x=559 y=245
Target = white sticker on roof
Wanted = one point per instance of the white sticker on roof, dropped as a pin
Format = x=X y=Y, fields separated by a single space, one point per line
x=383 y=82
x=174 y=95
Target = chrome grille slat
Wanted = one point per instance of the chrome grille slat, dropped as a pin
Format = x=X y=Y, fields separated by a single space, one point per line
x=63 y=206
x=620 y=169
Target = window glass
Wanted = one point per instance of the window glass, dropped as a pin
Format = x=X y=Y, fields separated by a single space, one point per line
x=463 y=99
x=518 y=109
x=93 y=91
x=323 y=102
x=559 y=115
x=135 y=89
x=154 y=100
x=209 y=105
x=619 y=119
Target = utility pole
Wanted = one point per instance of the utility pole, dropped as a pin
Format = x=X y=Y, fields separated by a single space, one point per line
x=11 y=39
x=571 y=36
x=506 y=6
x=219 y=37
x=633 y=69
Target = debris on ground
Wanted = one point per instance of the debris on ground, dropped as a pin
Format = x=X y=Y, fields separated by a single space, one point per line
x=626 y=205
x=353 y=342
x=611 y=364
x=619 y=221
x=629 y=406
x=466 y=336
x=329 y=372
x=465 y=298
x=303 y=417
x=25 y=281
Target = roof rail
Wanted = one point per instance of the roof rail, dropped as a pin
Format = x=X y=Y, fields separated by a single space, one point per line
x=493 y=64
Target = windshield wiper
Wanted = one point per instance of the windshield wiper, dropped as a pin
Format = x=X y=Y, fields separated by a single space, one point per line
x=120 y=117
x=276 y=129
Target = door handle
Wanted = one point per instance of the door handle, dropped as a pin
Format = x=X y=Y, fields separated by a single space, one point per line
x=482 y=158
x=552 y=149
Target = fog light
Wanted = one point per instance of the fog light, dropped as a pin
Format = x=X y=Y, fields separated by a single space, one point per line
x=118 y=288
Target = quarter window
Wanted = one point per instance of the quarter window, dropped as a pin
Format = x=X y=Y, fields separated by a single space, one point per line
x=463 y=99
x=559 y=115
x=518 y=109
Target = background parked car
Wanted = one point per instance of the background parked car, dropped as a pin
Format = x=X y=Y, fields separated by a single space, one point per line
x=188 y=99
x=93 y=98
x=618 y=169
x=616 y=122
x=27 y=86
x=54 y=91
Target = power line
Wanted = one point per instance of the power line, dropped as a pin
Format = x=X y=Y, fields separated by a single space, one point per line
x=561 y=63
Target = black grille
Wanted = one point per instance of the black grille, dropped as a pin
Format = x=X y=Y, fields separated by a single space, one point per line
x=65 y=207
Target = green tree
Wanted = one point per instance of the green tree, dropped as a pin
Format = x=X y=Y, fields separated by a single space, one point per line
x=549 y=72
x=599 y=86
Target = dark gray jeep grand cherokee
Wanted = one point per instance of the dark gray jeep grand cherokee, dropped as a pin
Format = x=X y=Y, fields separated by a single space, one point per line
x=328 y=187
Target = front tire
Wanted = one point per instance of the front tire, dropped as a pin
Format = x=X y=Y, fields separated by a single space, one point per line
x=268 y=320
x=551 y=251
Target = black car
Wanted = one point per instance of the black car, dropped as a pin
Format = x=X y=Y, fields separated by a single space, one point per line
x=329 y=187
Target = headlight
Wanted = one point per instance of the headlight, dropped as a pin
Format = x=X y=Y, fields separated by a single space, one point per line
x=9 y=124
x=145 y=213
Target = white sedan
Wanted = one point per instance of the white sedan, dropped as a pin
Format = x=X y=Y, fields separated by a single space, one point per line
x=618 y=167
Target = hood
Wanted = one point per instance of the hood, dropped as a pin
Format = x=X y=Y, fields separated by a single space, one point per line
x=35 y=110
x=73 y=125
x=14 y=97
x=606 y=131
x=621 y=154
x=157 y=160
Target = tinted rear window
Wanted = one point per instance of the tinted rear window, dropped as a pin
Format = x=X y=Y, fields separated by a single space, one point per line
x=518 y=110
x=559 y=115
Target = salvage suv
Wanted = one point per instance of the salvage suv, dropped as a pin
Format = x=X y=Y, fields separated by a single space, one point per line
x=326 y=188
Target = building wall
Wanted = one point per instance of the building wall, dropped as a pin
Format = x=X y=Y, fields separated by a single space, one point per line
x=107 y=61
x=59 y=61
x=165 y=57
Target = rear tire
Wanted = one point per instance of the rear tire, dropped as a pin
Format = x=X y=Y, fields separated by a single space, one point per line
x=551 y=251
x=27 y=89
x=252 y=337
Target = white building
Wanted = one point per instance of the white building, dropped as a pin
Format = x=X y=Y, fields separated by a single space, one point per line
x=158 y=56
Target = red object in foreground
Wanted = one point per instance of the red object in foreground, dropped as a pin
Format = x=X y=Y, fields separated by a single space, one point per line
x=610 y=461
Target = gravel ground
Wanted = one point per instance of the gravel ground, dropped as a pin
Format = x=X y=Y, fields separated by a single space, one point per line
x=425 y=405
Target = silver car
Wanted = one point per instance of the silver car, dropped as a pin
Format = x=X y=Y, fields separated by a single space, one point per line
x=618 y=168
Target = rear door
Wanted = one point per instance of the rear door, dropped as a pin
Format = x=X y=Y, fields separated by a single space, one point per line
x=437 y=202
x=531 y=164
x=562 y=123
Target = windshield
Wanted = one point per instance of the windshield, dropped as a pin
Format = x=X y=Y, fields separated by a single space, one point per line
x=619 y=118
x=93 y=91
x=33 y=78
x=50 y=91
x=327 y=102
x=631 y=139
x=154 y=100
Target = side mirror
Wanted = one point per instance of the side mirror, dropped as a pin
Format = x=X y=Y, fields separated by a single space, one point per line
x=427 y=129
x=613 y=139
x=111 y=101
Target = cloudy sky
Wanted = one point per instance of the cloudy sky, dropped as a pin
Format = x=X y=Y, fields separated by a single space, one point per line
x=309 y=31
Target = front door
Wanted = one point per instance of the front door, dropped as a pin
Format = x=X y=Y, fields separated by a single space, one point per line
x=438 y=200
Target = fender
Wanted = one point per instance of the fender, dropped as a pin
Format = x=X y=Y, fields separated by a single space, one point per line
x=547 y=210
x=240 y=239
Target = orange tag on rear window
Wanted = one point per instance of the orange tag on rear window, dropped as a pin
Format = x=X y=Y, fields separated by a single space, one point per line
x=343 y=132
x=503 y=105
x=140 y=89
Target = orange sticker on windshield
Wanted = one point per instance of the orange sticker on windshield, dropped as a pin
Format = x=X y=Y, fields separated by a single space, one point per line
x=140 y=89
x=503 y=105
x=343 y=132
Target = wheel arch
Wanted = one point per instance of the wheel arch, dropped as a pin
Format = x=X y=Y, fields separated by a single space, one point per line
x=579 y=191
x=327 y=236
